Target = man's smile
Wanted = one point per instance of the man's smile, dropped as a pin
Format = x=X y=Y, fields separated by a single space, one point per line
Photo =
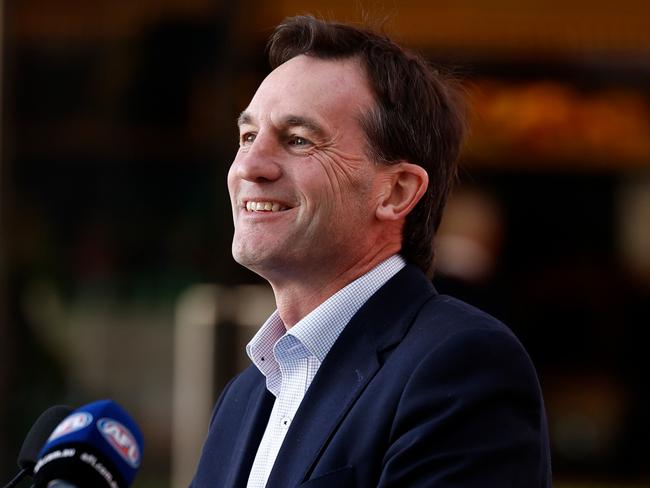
x=264 y=206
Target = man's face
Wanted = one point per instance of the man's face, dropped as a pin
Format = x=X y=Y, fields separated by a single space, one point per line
x=302 y=189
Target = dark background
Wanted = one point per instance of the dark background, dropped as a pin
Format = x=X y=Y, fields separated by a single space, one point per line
x=118 y=126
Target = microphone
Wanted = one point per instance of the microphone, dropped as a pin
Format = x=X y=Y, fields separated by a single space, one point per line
x=35 y=439
x=97 y=446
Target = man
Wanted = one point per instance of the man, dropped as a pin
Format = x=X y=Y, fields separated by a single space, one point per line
x=364 y=376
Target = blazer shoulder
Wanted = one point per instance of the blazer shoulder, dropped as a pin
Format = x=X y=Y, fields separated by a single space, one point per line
x=452 y=315
x=448 y=325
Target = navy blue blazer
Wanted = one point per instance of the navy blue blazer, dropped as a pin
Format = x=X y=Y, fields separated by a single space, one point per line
x=419 y=390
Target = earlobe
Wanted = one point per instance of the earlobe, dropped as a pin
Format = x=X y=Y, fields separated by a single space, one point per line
x=405 y=186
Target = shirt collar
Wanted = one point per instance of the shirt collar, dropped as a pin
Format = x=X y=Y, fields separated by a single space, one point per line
x=260 y=347
x=319 y=329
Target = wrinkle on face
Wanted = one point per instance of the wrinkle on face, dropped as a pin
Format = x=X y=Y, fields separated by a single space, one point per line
x=344 y=168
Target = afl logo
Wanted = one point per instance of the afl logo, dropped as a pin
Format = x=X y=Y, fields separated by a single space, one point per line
x=70 y=424
x=120 y=439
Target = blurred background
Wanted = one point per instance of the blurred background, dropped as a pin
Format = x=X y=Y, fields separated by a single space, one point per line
x=118 y=126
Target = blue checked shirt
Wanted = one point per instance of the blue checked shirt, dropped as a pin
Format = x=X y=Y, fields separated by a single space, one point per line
x=290 y=359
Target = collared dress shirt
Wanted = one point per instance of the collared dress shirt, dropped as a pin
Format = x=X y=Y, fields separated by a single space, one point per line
x=290 y=359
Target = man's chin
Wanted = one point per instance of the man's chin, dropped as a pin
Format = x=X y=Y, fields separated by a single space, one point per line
x=257 y=261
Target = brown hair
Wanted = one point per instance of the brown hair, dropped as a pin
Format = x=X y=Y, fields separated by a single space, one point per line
x=418 y=116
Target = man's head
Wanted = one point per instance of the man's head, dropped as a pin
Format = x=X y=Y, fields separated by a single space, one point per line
x=417 y=115
x=332 y=151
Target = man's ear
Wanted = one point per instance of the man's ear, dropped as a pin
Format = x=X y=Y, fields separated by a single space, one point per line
x=404 y=185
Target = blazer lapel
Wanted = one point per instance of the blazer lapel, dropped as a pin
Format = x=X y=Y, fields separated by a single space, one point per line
x=256 y=416
x=349 y=366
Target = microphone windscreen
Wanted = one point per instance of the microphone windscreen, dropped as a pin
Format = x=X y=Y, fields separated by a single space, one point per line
x=38 y=434
x=98 y=445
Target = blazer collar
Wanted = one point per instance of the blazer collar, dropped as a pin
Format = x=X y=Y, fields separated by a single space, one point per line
x=351 y=363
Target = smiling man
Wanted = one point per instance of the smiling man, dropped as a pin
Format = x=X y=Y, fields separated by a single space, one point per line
x=364 y=376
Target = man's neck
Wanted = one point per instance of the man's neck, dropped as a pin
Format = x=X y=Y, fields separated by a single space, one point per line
x=297 y=297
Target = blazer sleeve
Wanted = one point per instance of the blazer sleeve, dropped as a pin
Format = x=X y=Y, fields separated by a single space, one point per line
x=471 y=415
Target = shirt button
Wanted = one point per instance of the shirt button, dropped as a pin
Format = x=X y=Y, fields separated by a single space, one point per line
x=285 y=422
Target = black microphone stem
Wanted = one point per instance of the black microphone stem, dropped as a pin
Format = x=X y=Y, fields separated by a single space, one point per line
x=18 y=478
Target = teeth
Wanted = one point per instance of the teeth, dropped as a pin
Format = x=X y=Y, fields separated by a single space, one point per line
x=263 y=207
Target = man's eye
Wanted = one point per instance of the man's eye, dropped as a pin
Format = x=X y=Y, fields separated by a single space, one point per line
x=298 y=141
x=247 y=138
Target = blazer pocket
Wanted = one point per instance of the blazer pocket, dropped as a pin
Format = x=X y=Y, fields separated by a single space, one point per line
x=340 y=478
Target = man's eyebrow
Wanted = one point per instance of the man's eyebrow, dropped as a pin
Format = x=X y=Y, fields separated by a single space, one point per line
x=288 y=121
x=244 y=118
x=304 y=122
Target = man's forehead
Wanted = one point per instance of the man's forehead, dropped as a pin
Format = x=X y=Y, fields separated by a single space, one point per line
x=305 y=86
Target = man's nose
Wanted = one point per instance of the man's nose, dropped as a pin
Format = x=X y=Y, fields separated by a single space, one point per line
x=258 y=163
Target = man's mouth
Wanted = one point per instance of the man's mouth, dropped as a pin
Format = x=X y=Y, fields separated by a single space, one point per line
x=264 y=206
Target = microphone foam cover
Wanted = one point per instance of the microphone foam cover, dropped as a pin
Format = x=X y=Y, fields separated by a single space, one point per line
x=38 y=434
x=98 y=445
